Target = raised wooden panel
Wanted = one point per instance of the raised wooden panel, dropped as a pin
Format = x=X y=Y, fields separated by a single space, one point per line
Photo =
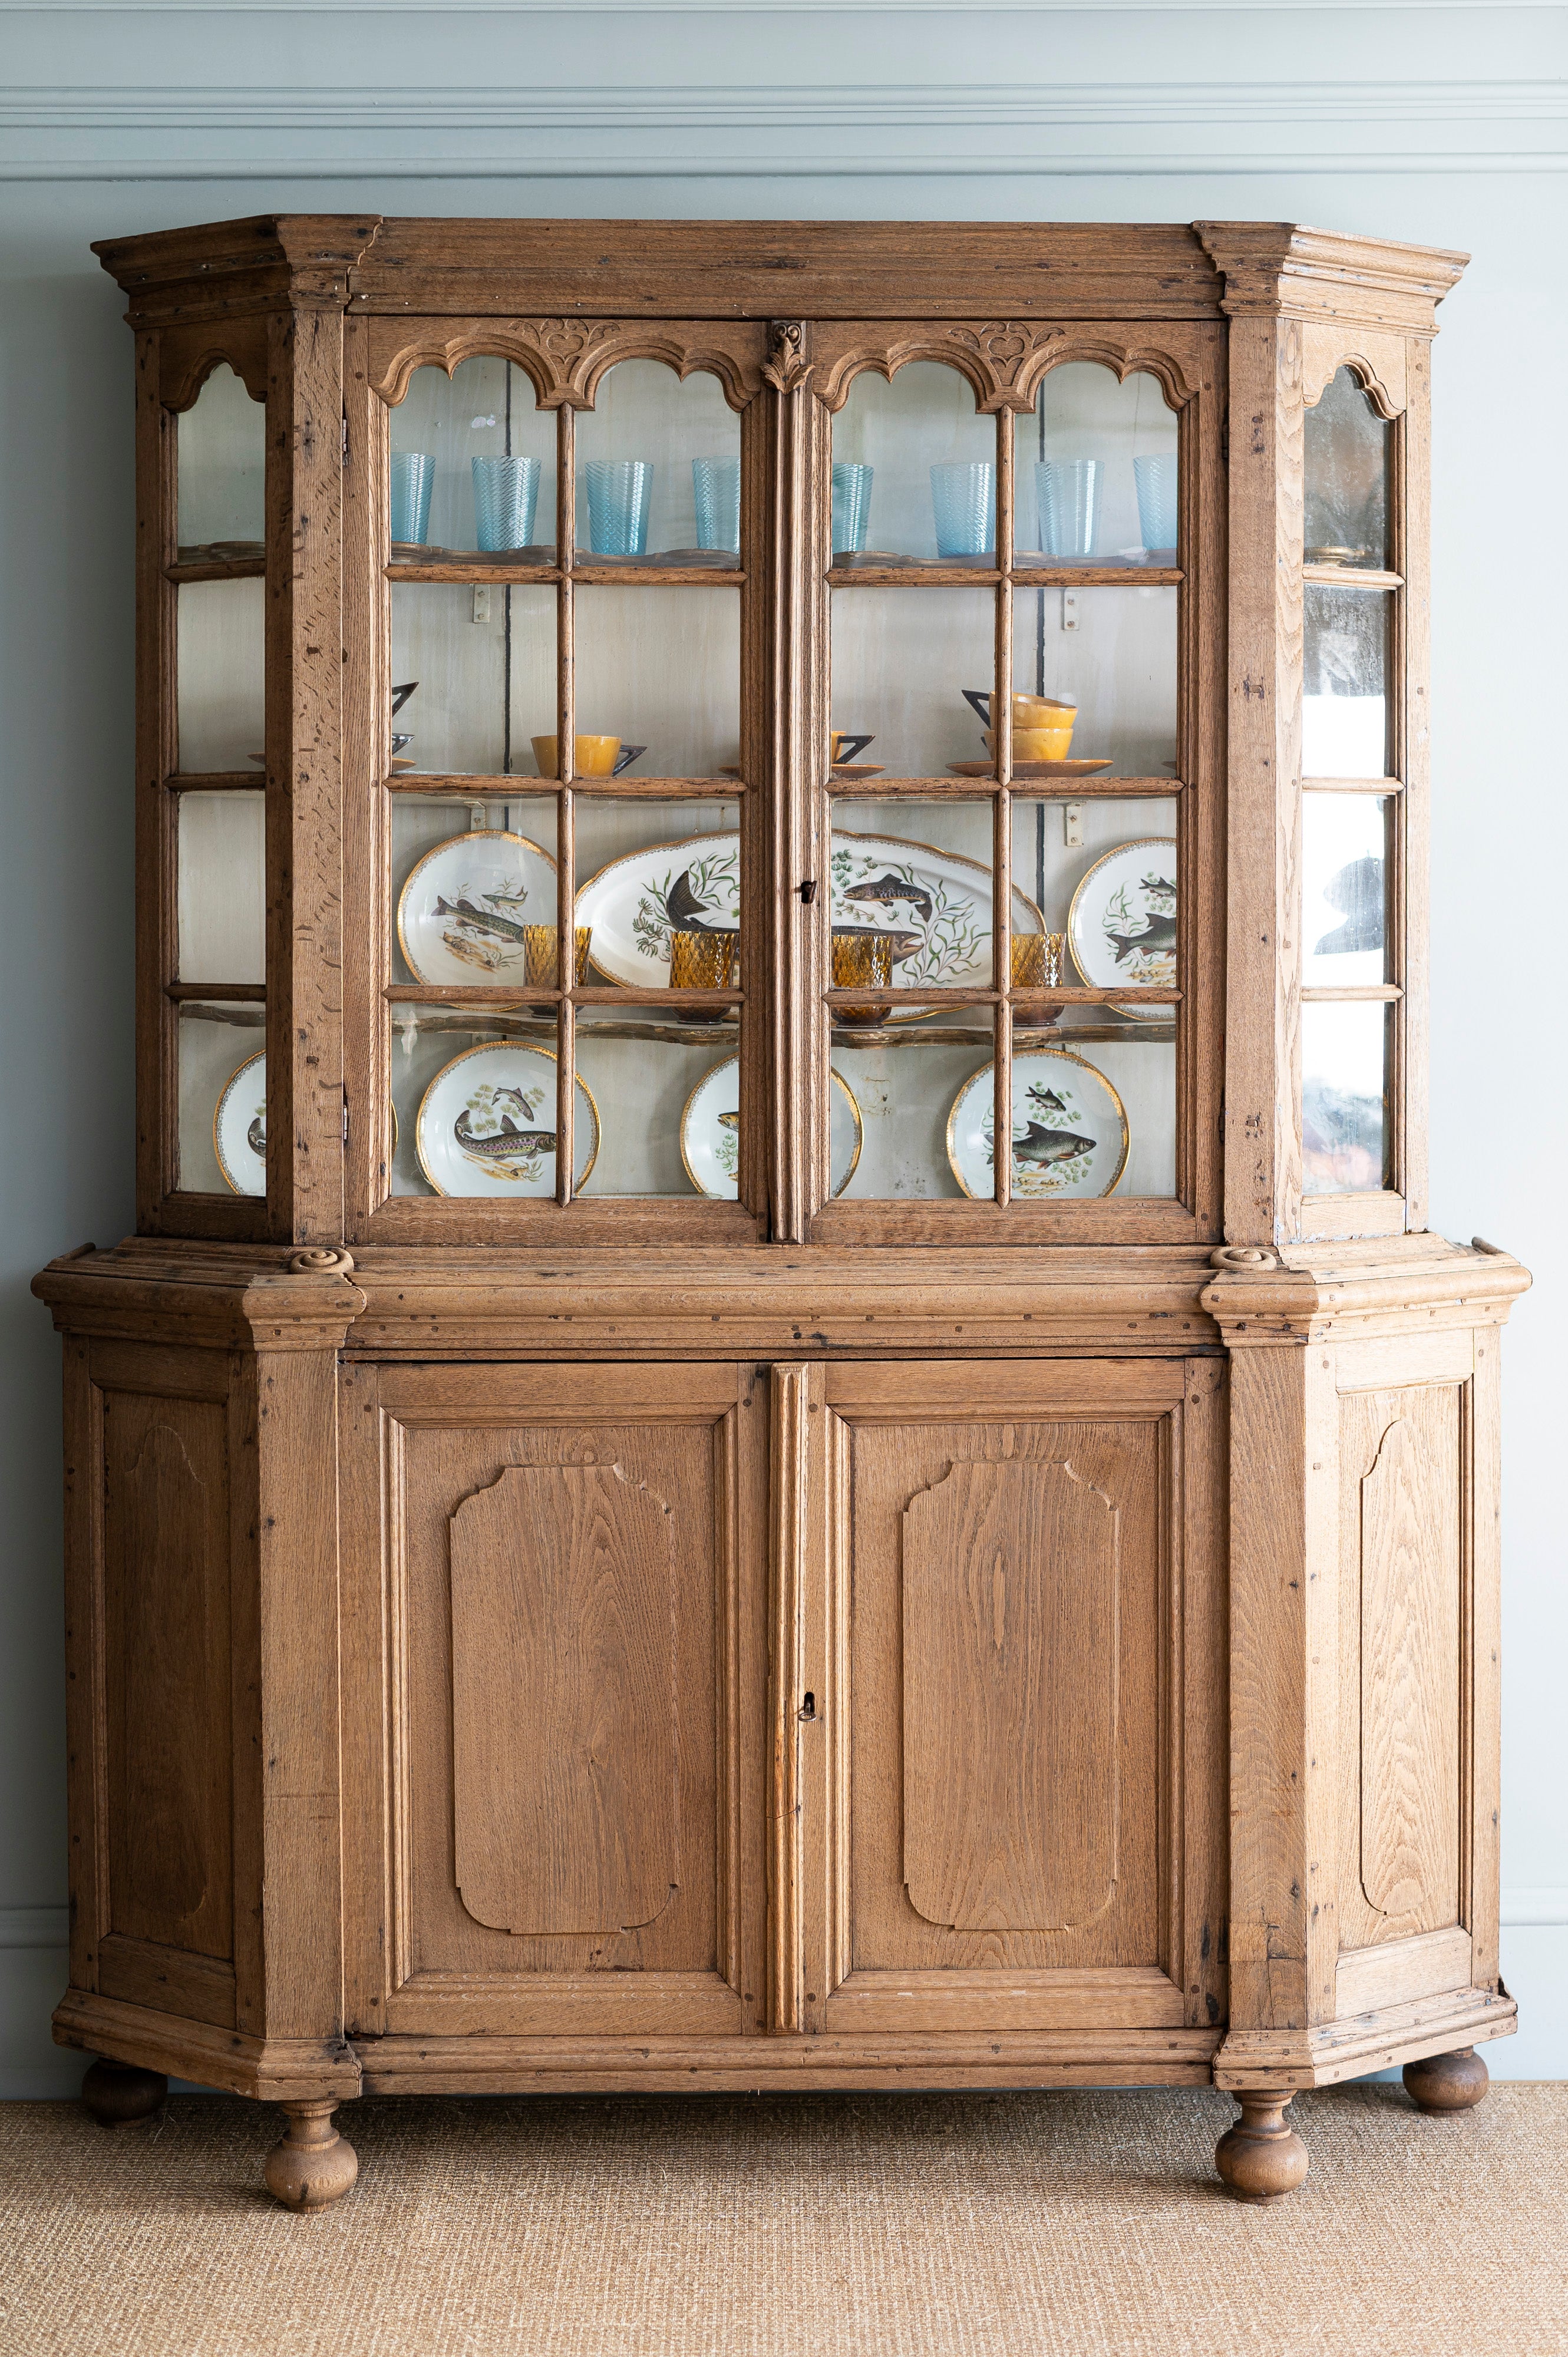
x=1010 y=1698
x=167 y=1673
x=565 y=1635
x=1400 y=1499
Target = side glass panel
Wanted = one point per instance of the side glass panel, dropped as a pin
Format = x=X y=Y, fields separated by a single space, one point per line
x=914 y=471
x=1345 y=1086
x=222 y=1097
x=222 y=449
x=1345 y=936
x=1346 y=458
x=658 y=469
x=1344 y=720
x=219 y=658
x=1095 y=472
x=473 y=466
x=479 y=662
x=223 y=888
x=1108 y=656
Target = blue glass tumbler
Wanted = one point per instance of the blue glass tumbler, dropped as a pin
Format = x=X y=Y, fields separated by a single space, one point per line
x=619 y=491
x=1069 y=494
x=852 y=504
x=413 y=479
x=963 y=500
x=716 y=487
x=505 y=493
x=1156 y=481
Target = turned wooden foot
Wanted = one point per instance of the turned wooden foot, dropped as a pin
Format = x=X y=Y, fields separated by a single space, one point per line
x=1262 y=2156
x=313 y=2165
x=119 y=2093
x=1447 y=2083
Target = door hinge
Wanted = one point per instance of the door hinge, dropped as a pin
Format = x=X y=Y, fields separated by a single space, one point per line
x=345 y=437
x=345 y=1116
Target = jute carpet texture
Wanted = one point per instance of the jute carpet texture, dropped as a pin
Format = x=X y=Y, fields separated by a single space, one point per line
x=857 y=2225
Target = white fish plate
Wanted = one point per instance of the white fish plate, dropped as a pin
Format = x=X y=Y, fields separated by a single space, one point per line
x=240 y=1127
x=1122 y=925
x=710 y=1133
x=635 y=902
x=460 y=914
x=1070 y=1131
x=483 y=1100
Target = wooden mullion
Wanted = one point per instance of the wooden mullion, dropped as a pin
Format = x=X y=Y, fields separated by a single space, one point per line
x=368 y=921
x=1002 y=822
x=157 y=814
x=217 y=781
x=565 y=807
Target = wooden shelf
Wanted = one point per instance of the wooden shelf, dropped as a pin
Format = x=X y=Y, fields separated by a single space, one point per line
x=929 y=572
x=1350 y=577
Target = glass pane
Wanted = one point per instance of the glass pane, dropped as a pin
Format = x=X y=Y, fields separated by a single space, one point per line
x=660 y=880
x=220 y=646
x=1344 y=721
x=1343 y=889
x=223 y=888
x=1346 y=469
x=909 y=455
x=222 y=1098
x=474 y=1104
x=669 y=1107
x=483 y=412
x=1095 y=471
x=482 y=663
x=665 y=461
x=1344 y=1096
x=1111 y=654
x=903 y=1089
x=468 y=883
x=660 y=669
x=901 y=661
x=222 y=451
x=911 y=888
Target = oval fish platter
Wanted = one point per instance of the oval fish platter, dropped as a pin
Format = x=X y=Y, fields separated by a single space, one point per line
x=1122 y=922
x=487 y=1123
x=710 y=1133
x=1069 y=1132
x=636 y=901
x=461 y=914
x=240 y=1127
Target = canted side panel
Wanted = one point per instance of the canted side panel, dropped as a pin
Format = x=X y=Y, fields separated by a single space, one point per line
x=1008 y=1584
x=168 y=1741
x=560 y=1723
x=1402 y=1739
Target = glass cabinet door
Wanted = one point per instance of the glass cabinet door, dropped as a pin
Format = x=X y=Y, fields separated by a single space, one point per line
x=563 y=787
x=1006 y=784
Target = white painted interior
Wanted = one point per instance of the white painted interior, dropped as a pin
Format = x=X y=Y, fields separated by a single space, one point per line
x=1443 y=125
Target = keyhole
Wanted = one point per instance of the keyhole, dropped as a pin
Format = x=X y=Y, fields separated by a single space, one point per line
x=809 y=1707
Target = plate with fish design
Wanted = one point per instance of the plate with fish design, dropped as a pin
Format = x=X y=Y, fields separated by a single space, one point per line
x=461 y=914
x=1069 y=1129
x=1122 y=925
x=635 y=902
x=240 y=1127
x=937 y=903
x=487 y=1123
x=710 y=1133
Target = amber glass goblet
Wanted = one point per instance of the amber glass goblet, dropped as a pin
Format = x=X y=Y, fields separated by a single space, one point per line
x=539 y=949
x=862 y=957
x=703 y=961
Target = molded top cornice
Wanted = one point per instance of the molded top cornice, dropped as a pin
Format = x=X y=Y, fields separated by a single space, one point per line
x=1278 y=266
x=296 y=258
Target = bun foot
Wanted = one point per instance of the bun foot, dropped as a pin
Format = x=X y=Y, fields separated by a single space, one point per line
x=1447 y=2083
x=313 y=2166
x=119 y=2093
x=1260 y=2158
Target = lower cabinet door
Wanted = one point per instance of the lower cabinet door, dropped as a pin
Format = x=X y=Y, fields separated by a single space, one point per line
x=554 y=1699
x=1012 y=1770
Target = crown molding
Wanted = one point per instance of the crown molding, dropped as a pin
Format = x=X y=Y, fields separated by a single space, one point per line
x=690 y=131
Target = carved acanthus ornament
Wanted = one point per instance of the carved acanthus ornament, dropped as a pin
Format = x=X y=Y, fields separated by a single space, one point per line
x=787 y=366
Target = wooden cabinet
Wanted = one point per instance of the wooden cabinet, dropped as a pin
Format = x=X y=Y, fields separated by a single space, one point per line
x=613 y=1539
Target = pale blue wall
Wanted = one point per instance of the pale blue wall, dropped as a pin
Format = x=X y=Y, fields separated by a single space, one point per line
x=1442 y=124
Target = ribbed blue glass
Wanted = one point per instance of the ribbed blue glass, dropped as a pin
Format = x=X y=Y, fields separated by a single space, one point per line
x=716 y=487
x=505 y=493
x=413 y=479
x=1069 y=494
x=963 y=501
x=1156 y=481
x=619 y=491
x=852 y=504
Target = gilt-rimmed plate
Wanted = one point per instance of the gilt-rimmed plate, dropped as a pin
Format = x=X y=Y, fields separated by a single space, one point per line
x=1123 y=923
x=461 y=913
x=1070 y=1131
x=240 y=1127
x=710 y=1133
x=487 y=1123
x=635 y=902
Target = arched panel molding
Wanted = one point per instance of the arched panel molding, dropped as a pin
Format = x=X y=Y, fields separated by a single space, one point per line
x=564 y=360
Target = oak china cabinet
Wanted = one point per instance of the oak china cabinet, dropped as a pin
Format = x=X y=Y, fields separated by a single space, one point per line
x=613 y=1542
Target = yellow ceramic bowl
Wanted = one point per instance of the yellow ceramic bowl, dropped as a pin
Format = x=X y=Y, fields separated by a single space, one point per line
x=595 y=756
x=1036 y=744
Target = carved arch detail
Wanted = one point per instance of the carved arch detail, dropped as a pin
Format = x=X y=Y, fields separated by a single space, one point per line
x=1002 y=360
x=1377 y=362
x=565 y=359
x=186 y=361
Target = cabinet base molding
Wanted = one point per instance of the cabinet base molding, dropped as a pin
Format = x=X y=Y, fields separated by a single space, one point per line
x=1332 y=2050
x=499 y=2066
x=276 y=2070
